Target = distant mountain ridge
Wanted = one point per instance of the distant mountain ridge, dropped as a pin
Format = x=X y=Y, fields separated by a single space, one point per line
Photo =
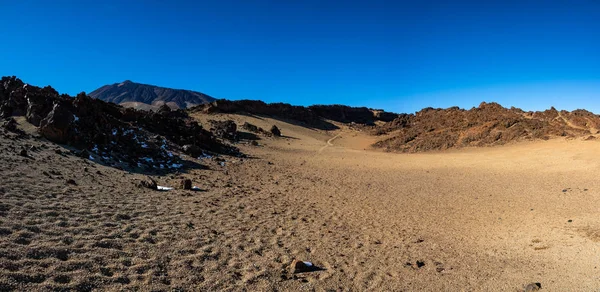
x=129 y=93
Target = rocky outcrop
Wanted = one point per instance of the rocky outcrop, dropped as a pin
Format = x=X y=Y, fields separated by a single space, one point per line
x=314 y=116
x=486 y=125
x=110 y=133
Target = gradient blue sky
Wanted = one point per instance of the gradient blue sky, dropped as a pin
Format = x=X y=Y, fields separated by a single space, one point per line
x=397 y=55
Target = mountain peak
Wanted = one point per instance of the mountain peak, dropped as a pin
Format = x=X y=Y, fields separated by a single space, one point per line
x=126 y=82
x=128 y=93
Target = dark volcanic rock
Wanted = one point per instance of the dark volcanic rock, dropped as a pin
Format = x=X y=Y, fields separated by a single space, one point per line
x=275 y=131
x=10 y=125
x=148 y=183
x=193 y=150
x=298 y=266
x=250 y=127
x=186 y=184
x=57 y=125
x=224 y=129
x=118 y=136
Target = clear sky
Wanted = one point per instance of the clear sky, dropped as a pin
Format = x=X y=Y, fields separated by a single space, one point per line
x=397 y=55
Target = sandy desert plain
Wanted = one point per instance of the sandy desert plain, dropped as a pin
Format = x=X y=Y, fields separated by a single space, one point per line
x=475 y=219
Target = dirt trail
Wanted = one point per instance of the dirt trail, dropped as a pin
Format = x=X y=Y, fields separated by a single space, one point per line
x=329 y=142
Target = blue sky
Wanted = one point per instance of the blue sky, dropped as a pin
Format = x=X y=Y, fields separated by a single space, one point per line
x=397 y=55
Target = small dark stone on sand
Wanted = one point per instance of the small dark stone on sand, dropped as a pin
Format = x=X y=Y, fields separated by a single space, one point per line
x=420 y=264
x=23 y=153
x=186 y=184
x=71 y=182
x=570 y=221
x=533 y=287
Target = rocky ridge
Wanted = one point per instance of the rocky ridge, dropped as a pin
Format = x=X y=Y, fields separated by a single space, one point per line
x=487 y=125
x=117 y=136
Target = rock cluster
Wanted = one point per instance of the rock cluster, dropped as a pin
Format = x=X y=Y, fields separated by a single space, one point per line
x=274 y=131
x=224 y=129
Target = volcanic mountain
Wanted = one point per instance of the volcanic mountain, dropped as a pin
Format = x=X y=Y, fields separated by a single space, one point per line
x=149 y=97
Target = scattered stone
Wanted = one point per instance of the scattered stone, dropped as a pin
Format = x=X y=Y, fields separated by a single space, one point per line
x=251 y=127
x=420 y=264
x=23 y=153
x=533 y=287
x=186 y=184
x=148 y=183
x=254 y=143
x=10 y=125
x=275 y=131
x=71 y=182
x=302 y=267
x=570 y=221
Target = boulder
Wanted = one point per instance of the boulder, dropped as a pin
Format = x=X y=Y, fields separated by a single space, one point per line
x=57 y=125
x=148 y=183
x=275 y=131
x=192 y=150
x=10 y=125
x=224 y=129
x=186 y=184
x=250 y=127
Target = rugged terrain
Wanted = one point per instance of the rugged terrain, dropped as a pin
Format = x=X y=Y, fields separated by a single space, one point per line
x=149 y=97
x=274 y=190
x=487 y=125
